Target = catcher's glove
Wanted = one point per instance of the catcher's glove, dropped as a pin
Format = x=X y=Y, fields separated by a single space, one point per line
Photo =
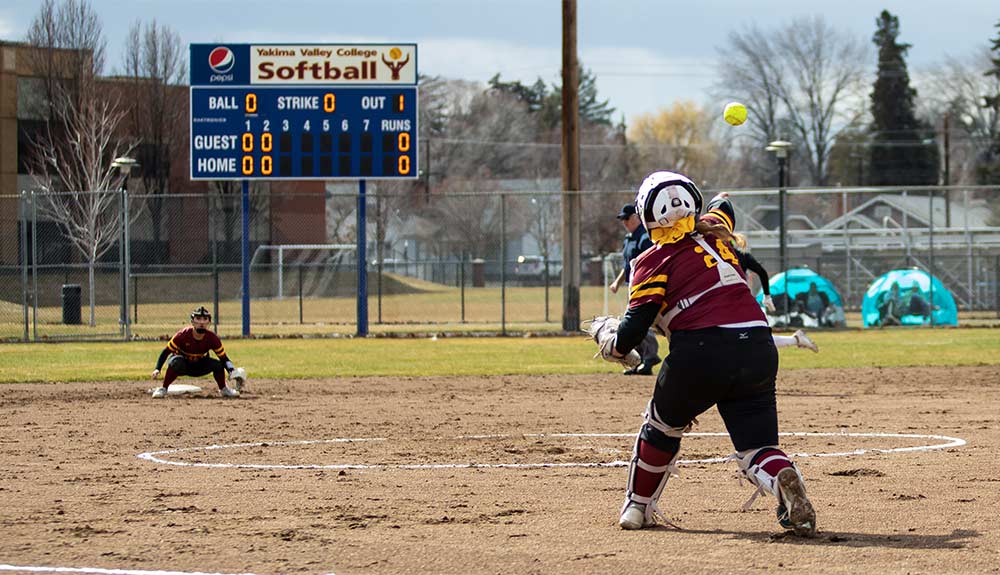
x=239 y=378
x=603 y=330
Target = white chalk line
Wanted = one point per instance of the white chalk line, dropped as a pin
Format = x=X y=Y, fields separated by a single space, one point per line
x=152 y=456
x=99 y=571
x=155 y=456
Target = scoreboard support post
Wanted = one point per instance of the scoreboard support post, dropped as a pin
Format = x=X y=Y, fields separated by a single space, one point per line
x=245 y=221
x=362 y=263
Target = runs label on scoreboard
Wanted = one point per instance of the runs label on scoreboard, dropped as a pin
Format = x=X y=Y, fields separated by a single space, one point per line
x=303 y=132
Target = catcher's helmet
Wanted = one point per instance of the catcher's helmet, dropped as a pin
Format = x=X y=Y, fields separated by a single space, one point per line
x=201 y=312
x=665 y=198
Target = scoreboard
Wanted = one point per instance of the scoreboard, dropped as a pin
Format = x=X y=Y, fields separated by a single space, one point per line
x=266 y=112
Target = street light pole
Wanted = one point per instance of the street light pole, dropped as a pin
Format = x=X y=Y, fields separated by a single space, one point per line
x=780 y=149
x=782 y=237
x=947 y=169
x=125 y=167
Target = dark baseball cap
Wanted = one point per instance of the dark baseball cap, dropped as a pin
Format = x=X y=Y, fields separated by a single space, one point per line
x=627 y=210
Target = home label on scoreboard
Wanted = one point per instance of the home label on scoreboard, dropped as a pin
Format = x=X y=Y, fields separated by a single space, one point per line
x=302 y=112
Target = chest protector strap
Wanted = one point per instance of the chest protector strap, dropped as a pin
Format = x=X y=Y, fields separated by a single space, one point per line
x=727 y=276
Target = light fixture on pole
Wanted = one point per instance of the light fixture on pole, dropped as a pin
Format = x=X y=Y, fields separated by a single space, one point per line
x=125 y=167
x=780 y=149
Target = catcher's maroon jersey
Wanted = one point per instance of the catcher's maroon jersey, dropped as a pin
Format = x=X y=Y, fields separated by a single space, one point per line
x=668 y=273
x=184 y=343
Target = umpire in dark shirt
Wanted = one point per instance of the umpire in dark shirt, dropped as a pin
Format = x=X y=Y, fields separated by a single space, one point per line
x=636 y=241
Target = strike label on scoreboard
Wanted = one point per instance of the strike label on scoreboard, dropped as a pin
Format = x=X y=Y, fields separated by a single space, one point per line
x=303 y=112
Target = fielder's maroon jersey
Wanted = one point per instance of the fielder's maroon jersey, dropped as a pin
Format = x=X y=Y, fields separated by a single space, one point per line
x=183 y=343
x=668 y=273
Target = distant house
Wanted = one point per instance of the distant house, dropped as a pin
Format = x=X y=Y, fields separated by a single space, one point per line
x=912 y=211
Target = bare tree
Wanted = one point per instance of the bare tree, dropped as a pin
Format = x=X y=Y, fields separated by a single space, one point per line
x=803 y=82
x=224 y=200
x=70 y=157
x=487 y=138
x=155 y=69
x=469 y=218
x=73 y=169
x=678 y=138
x=69 y=49
x=956 y=87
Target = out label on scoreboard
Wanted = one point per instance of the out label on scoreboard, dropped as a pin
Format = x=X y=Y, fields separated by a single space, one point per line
x=303 y=112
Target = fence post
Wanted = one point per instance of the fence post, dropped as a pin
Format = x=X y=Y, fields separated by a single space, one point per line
x=461 y=272
x=930 y=246
x=23 y=219
x=127 y=263
x=135 y=299
x=34 y=266
x=300 y=292
x=503 y=264
x=969 y=254
x=546 y=256
x=847 y=248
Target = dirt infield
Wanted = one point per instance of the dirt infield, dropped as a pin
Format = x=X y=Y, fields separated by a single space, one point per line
x=73 y=492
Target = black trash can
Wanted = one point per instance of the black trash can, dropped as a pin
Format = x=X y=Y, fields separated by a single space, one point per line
x=71 y=304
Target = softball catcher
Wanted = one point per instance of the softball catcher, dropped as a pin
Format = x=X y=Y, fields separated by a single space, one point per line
x=691 y=286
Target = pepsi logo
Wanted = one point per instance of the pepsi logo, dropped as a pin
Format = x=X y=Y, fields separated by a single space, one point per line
x=221 y=60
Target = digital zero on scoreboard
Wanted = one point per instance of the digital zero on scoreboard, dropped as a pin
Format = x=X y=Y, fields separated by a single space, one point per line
x=272 y=112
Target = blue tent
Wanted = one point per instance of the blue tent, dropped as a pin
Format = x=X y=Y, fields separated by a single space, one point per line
x=794 y=284
x=892 y=300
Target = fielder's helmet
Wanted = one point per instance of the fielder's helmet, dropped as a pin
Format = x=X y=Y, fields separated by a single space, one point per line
x=201 y=312
x=720 y=211
x=665 y=198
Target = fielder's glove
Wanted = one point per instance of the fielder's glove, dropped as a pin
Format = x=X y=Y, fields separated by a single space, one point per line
x=604 y=330
x=239 y=378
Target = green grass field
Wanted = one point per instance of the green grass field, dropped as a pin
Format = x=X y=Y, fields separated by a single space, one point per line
x=471 y=356
x=432 y=308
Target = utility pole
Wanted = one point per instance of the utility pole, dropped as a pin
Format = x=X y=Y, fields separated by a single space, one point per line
x=570 y=171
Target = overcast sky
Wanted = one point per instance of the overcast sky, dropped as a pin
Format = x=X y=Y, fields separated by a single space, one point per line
x=645 y=53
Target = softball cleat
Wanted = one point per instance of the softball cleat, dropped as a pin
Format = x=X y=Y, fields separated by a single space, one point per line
x=795 y=512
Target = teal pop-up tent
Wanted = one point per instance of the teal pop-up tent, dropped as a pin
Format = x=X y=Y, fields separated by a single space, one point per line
x=906 y=297
x=796 y=285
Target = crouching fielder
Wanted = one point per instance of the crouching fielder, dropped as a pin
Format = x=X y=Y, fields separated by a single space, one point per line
x=721 y=353
x=187 y=354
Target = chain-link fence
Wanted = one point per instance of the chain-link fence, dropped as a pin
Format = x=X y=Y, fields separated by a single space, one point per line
x=485 y=260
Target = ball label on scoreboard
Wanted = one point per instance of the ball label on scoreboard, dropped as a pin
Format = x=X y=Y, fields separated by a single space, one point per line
x=303 y=112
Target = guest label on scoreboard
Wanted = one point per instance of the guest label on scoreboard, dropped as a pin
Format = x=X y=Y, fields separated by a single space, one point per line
x=303 y=112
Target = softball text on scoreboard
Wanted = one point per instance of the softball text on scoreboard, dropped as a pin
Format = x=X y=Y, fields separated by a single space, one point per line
x=303 y=112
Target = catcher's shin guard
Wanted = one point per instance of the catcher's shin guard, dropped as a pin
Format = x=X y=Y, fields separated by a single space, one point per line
x=654 y=460
x=761 y=467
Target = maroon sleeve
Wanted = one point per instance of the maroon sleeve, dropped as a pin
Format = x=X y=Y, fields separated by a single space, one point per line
x=648 y=283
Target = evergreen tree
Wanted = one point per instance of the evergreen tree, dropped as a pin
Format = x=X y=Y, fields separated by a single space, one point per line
x=989 y=169
x=533 y=96
x=548 y=103
x=903 y=149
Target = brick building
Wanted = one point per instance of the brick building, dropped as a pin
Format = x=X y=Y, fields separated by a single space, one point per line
x=284 y=212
